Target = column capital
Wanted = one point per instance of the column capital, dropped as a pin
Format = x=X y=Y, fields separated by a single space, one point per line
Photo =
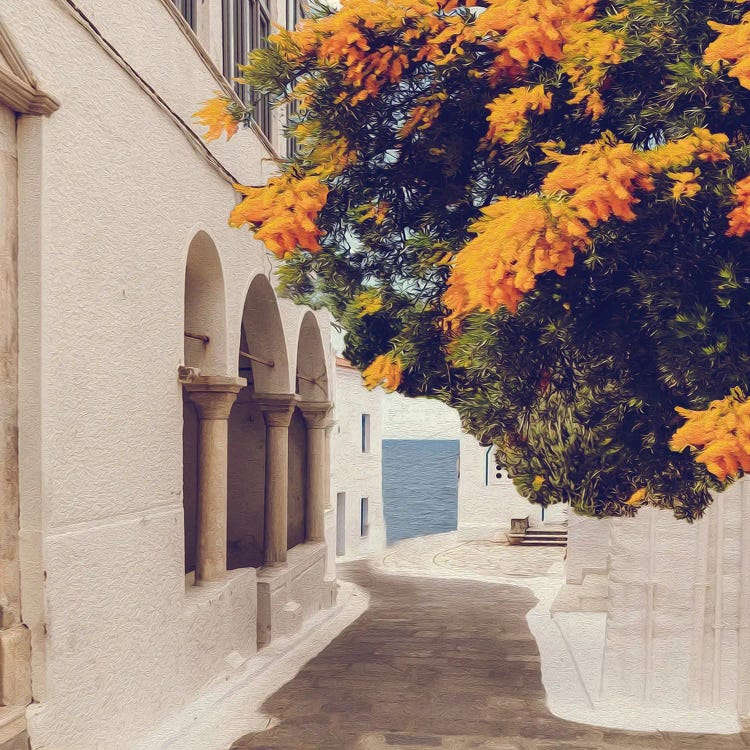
x=213 y=395
x=317 y=414
x=277 y=408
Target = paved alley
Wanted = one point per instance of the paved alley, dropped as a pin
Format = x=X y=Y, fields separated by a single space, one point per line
x=436 y=664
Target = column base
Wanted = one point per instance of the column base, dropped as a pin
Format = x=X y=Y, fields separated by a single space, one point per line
x=290 y=593
x=13 y=735
x=15 y=666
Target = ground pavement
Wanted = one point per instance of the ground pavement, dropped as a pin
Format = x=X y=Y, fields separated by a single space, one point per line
x=436 y=663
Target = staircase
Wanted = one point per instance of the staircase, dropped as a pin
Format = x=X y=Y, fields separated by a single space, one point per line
x=548 y=535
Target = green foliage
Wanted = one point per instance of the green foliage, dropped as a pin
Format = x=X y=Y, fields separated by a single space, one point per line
x=579 y=387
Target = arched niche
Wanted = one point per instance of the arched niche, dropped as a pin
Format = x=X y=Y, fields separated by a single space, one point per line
x=266 y=371
x=311 y=385
x=205 y=308
x=265 y=340
x=204 y=316
x=312 y=369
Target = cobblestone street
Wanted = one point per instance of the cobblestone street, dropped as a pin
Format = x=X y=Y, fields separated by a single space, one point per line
x=436 y=663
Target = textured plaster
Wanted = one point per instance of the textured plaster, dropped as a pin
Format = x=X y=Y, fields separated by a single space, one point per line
x=673 y=644
x=354 y=473
x=588 y=547
x=234 y=706
x=407 y=418
x=486 y=501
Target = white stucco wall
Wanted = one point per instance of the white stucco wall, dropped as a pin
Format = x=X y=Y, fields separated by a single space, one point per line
x=354 y=473
x=679 y=616
x=485 y=500
x=588 y=547
x=677 y=602
x=111 y=193
x=418 y=419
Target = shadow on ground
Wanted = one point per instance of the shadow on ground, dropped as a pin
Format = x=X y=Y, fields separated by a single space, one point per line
x=436 y=663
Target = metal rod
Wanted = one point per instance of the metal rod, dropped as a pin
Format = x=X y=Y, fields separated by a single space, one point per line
x=309 y=380
x=197 y=337
x=266 y=362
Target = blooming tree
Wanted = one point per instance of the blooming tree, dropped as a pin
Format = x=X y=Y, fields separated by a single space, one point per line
x=537 y=211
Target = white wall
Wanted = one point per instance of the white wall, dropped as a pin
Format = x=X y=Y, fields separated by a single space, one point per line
x=588 y=547
x=111 y=193
x=677 y=637
x=679 y=612
x=485 y=501
x=353 y=472
x=418 y=419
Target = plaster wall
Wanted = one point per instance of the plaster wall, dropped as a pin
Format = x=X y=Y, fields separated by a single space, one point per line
x=407 y=418
x=355 y=473
x=678 y=616
x=675 y=640
x=485 y=500
x=112 y=191
x=588 y=547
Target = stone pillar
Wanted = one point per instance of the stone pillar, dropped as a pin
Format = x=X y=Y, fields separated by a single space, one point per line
x=277 y=413
x=213 y=397
x=15 y=638
x=317 y=416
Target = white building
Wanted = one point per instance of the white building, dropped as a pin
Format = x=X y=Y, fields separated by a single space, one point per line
x=163 y=416
x=674 y=629
x=357 y=522
x=487 y=497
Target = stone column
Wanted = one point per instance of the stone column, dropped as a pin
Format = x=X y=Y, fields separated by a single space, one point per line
x=317 y=416
x=213 y=397
x=277 y=413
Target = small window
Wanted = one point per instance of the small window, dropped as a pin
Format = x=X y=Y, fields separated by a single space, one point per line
x=187 y=9
x=246 y=25
x=364 y=519
x=365 y=433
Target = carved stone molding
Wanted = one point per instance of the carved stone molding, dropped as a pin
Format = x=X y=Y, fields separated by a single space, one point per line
x=18 y=87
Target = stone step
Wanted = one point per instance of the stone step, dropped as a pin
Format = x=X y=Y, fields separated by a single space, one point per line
x=546 y=536
x=547 y=531
x=543 y=542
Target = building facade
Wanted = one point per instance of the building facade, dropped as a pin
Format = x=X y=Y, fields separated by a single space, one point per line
x=487 y=497
x=164 y=417
x=357 y=522
x=675 y=600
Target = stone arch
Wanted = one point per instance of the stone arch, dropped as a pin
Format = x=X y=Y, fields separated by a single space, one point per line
x=267 y=372
x=311 y=376
x=205 y=307
x=312 y=362
x=204 y=316
x=264 y=337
